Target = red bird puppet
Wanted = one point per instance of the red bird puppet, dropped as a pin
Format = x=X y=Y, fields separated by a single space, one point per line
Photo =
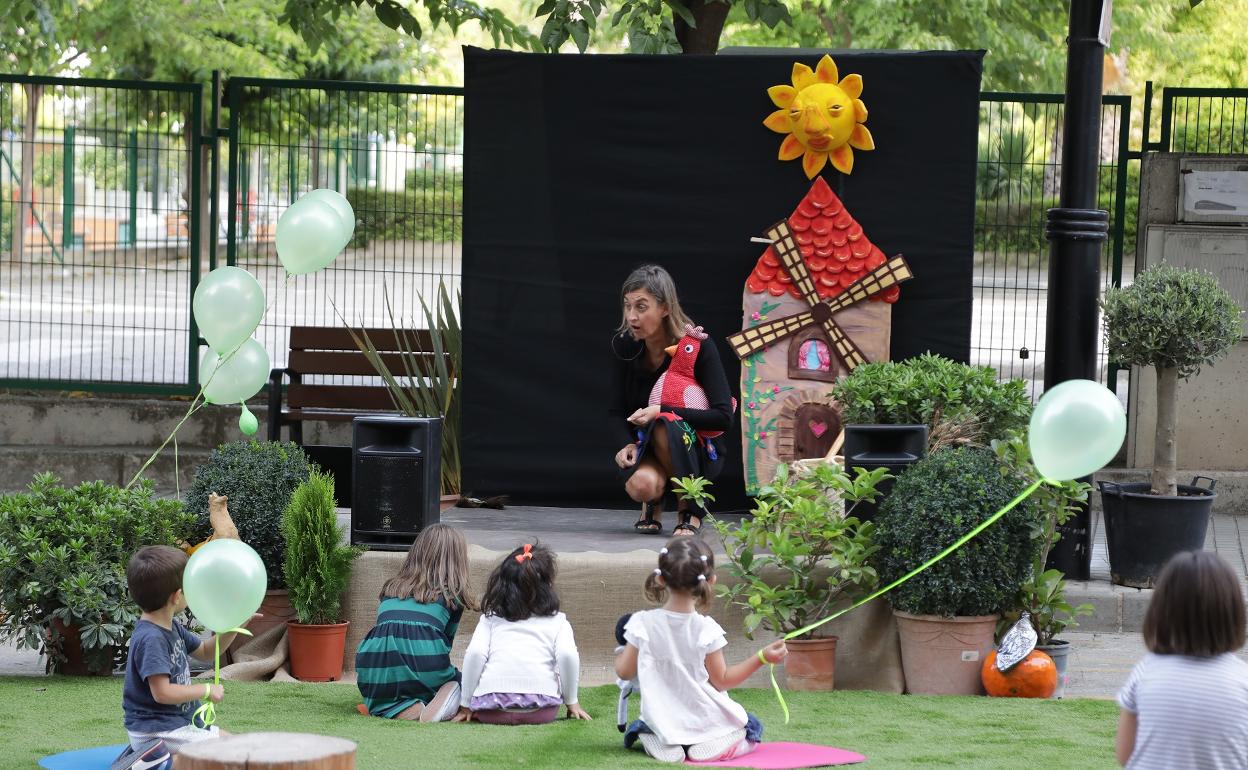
x=677 y=387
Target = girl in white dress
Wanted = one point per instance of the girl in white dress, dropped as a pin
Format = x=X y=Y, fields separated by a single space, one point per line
x=676 y=654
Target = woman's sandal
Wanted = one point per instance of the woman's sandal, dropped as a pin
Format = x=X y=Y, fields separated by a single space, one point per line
x=686 y=526
x=647 y=524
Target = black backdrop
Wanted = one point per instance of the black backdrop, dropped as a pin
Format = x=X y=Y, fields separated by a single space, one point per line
x=579 y=168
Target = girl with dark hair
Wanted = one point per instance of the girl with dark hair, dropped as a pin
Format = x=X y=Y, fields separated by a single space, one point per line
x=1186 y=703
x=676 y=654
x=522 y=661
x=662 y=441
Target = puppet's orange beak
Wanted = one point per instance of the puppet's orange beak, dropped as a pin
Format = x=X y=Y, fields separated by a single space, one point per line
x=670 y=350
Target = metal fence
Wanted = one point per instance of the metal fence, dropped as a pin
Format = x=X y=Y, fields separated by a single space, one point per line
x=1018 y=181
x=98 y=213
x=395 y=151
x=1205 y=120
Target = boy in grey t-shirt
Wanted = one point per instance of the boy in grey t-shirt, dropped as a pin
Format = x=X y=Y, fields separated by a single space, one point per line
x=1185 y=705
x=158 y=699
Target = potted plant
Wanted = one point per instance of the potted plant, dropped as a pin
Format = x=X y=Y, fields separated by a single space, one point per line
x=63 y=556
x=428 y=386
x=258 y=478
x=1042 y=596
x=946 y=614
x=800 y=553
x=894 y=412
x=1175 y=321
x=318 y=569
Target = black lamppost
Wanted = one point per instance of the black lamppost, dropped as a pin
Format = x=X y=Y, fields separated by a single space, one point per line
x=1076 y=230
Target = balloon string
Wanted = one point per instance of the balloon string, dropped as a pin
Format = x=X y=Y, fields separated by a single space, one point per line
x=925 y=565
x=195 y=407
x=207 y=711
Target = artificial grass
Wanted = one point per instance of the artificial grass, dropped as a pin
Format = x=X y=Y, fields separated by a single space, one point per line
x=41 y=716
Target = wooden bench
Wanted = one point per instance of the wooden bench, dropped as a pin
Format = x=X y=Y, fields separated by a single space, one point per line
x=321 y=350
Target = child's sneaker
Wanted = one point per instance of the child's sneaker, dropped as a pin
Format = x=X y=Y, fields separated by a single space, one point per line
x=731 y=745
x=444 y=705
x=661 y=751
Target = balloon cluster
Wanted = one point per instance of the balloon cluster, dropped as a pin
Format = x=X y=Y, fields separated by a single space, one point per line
x=229 y=303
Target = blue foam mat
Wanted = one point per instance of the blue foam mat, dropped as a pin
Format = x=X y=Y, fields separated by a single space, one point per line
x=98 y=758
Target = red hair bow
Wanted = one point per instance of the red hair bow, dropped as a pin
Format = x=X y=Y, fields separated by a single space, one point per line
x=528 y=554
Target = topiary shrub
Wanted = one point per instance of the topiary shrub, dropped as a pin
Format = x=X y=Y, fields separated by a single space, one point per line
x=318 y=562
x=258 y=477
x=960 y=404
x=939 y=499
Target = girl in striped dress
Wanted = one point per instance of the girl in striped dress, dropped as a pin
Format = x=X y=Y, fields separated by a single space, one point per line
x=403 y=666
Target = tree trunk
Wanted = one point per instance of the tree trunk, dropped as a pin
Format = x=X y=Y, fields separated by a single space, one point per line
x=279 y=751
x=704 y=38
x=26 y=183
x=1164 y=455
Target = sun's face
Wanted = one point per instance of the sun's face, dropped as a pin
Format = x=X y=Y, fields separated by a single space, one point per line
x=822 y=117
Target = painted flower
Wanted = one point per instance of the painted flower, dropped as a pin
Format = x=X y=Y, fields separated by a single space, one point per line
x=763 y=434
x=775 y=388
x=755 y=316
x=752 y=405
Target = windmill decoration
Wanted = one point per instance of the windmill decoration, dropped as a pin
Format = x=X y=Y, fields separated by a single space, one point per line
x=816 y=305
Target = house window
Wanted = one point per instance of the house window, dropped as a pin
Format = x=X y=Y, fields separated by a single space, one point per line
x=810 y=356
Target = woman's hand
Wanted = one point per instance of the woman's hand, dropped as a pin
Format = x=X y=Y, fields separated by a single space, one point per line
x=645 y=415
x=775 y=652
x=463 y=715
x=576 y=712
x=626 y=457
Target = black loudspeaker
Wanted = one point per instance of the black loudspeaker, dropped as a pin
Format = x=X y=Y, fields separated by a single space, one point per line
x=395 y=480
x=895 y=447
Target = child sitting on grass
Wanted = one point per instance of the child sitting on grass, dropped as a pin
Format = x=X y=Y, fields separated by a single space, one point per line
x=403 y=667
x=158 y=699
x=676 y=653
x=522 y=661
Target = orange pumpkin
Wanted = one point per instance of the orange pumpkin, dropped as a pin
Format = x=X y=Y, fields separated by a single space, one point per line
x=1034 y=677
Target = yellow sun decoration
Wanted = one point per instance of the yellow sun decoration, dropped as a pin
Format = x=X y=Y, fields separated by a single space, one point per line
x=822 y=117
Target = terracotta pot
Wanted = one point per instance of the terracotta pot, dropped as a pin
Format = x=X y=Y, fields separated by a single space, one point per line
x=276 y=610
x=942 y=656
x=316 y=651
x=811 y=663
x=76 y=663
x=447 y=501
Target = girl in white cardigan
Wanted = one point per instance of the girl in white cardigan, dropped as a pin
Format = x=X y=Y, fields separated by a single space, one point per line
x=522 y=661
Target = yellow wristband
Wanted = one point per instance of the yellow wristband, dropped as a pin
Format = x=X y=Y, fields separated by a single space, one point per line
x=761 y=659
x=207 y=691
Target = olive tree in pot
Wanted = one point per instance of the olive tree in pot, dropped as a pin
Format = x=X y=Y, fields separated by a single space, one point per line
x=258 y=478
x=799 y=555
x=1175 y=321
x=318 y=569
x=946 y=614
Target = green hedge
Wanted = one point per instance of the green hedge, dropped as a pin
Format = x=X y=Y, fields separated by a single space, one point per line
x=429 y=209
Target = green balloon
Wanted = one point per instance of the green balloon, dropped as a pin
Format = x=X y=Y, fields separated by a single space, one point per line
x=1076 y=428
x=247 y=422
x=224 y=582
x=228 y=305
x=309 y=236
x=340 y=204
x=238 y=378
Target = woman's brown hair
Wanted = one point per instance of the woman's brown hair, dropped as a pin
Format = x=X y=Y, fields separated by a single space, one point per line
x=1197 y=608
x=659 y=284
x=685 y=564
x=436 y=568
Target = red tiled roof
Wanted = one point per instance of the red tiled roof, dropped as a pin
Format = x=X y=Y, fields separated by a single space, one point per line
x=836 y=250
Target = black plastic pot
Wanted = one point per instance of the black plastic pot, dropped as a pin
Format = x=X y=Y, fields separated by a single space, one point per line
x=1144 y=531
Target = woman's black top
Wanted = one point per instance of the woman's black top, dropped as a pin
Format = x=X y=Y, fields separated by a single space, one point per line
x=632 y=381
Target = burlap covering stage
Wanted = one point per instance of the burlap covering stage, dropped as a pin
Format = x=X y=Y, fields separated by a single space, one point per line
x=594 y=590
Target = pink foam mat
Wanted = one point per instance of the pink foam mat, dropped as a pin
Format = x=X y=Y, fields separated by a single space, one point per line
x=781 y=755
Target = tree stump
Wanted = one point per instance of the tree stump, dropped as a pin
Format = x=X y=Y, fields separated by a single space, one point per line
x=268 y=751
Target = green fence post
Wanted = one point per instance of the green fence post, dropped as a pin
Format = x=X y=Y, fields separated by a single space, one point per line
x=338 y=165
x=155 y=181
x=67 y=195
x=244 y=190
x=132 y=184
x=290 y=173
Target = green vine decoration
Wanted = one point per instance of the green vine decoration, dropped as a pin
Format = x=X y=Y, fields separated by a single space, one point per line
x=754 y=398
